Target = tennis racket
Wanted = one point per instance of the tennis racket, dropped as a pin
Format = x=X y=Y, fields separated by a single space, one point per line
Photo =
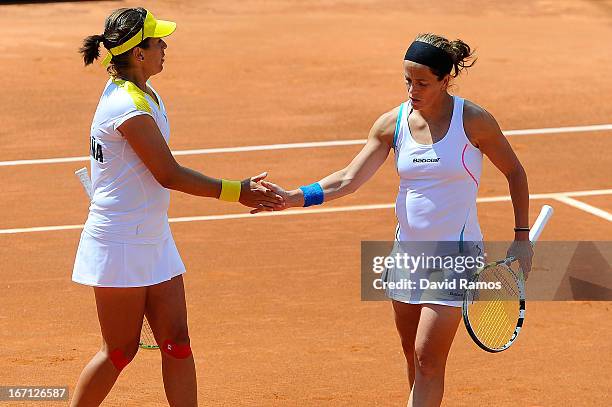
x=147 y=340
x=494 y=302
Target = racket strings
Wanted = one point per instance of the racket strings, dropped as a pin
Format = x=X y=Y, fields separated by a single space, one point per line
x=493 y=312
x=495 y=326
x=500 y=308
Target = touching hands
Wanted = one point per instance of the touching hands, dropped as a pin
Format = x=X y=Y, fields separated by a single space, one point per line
x=256 y=195
x=290 y=198
x=265 y=196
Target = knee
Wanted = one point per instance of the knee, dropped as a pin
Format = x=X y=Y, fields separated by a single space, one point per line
x=121 y=356
x=429 y=364
x=177 y=345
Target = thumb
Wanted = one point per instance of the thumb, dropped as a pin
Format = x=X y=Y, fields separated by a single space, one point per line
x=259 y=177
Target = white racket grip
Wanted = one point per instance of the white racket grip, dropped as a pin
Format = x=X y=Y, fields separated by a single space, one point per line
x=540 y=222
x=83 y=176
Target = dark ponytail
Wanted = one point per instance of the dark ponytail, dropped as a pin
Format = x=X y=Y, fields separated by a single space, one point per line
x=119 y=26
x=460 y=53
x=91 y=48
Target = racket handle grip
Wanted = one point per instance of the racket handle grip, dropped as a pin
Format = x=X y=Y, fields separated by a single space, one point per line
x=540 y=222
x=83 y=176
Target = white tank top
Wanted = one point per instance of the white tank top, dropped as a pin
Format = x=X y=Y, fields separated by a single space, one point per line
x=438 y=182
x=128 y=204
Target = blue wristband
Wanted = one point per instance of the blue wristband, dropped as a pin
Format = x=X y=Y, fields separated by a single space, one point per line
x=313 y=194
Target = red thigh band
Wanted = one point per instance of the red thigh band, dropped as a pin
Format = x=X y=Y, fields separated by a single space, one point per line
x=176 y=350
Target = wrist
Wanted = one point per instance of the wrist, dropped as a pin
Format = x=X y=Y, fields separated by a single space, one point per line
x=245 y=187
x=521 y=235
x=231 y=190
x=313 y=194
x=295 y=198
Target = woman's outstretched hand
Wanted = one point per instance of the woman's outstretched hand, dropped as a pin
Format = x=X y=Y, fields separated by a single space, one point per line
x=256 y=195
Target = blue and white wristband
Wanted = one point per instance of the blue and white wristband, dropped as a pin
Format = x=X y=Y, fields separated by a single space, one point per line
x=313 y=194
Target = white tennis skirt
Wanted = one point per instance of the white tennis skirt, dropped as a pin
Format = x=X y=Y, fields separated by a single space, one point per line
x=101 y=263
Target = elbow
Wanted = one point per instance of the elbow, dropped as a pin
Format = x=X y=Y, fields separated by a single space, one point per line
x=168 y=178
x=517 y=174
x=165 y=181
x=349 y=182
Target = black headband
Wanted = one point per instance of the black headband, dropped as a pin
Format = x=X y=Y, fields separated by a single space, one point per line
x=429 y=55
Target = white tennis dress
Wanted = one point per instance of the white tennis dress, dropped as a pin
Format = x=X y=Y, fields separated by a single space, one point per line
x=126 y=241
x=436 y=201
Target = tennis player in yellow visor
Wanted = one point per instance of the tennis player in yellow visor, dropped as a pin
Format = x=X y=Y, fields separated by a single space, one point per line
x=151 y=28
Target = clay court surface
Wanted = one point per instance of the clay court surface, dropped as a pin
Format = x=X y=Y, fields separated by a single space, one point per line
x=274 y=302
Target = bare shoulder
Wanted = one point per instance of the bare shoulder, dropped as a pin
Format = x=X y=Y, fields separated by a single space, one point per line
x=384 y=127
x=478 y=123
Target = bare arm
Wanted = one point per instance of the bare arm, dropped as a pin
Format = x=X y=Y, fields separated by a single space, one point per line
x=485 y=133
x=488 y=137
x=360 y=169
x=147 y=141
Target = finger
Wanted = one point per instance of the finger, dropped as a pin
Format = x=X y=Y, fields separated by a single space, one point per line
x=525 y=268
x=268 y=204
x=259 y=177
x=271 y=185
x=273 y=195
x=259 y=208
x=270 y=192
x=269 y=201
x=273 y=207
x=268 y=196
x=256 y=211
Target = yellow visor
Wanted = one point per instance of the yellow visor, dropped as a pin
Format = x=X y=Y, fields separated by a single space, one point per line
x=152 y=28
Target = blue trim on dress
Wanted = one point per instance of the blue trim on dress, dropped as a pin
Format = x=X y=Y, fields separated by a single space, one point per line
x=461 y=239
x=397 y=125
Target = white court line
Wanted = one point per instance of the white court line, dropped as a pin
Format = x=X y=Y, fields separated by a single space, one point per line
x=553 y=130
x=585 y=207
x=314 y=144
x=311 y=211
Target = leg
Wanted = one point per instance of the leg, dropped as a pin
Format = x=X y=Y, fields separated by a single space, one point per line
x=406 y=322
x=167 y=314
x=437 y=328
x=120 y=312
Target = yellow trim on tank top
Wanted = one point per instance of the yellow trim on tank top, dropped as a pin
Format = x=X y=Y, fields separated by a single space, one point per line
x=138 y=95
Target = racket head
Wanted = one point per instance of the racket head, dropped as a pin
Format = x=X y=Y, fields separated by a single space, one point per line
x=147 y=340
x=494 y=306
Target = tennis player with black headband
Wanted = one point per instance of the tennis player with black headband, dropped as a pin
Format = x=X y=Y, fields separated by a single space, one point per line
x=439 y=141
x=126 y=251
